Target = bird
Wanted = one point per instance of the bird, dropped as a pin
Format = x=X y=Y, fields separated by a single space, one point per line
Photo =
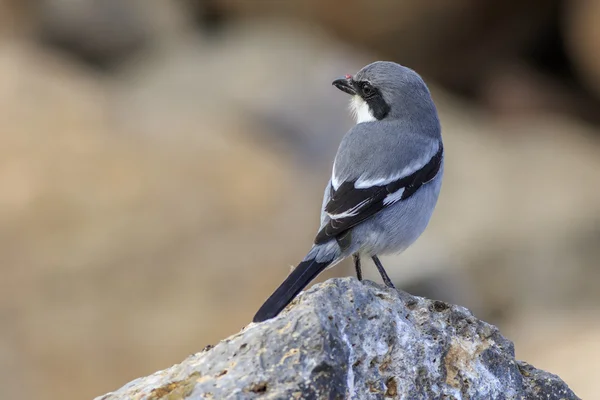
x=385 y=181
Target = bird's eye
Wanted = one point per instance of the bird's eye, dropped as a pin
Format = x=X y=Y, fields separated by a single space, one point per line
x=368 y=90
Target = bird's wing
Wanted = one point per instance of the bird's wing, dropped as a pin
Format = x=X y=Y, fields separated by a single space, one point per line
x=356 y=200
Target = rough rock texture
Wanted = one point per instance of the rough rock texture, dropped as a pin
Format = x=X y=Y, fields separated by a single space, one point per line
x=345 y=339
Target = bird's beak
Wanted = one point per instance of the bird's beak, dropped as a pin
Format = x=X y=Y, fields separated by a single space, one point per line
x=345 y=85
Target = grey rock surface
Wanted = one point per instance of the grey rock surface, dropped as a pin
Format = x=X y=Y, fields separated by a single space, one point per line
x=345 y=339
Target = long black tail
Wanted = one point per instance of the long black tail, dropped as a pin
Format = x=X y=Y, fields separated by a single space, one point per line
x=300 y=277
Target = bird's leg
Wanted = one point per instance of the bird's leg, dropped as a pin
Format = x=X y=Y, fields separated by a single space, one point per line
x=356 y=258
x=384 y=275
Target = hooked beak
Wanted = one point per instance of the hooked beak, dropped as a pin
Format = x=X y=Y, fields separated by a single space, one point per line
x=345 y=84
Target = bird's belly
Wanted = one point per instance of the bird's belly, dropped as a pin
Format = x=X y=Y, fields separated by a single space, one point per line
x=395 y=228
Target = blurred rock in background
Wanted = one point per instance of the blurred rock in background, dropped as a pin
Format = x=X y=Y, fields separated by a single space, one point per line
x=458 y=42
x=162 y=166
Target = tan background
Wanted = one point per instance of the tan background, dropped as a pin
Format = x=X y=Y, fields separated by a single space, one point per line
x=162 y=165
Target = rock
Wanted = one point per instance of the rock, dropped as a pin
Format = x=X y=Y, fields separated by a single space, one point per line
x=457 y=42
x=13 y=17
x=346 y=339
x=104 y=32
x=582 y=35
x=284 y=90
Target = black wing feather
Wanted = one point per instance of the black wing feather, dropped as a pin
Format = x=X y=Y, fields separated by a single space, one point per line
x=347 y=197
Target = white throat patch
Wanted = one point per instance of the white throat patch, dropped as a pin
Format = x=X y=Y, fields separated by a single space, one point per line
x=360 y=110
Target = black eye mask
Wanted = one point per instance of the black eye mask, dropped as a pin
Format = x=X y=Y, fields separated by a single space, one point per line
x=374 y=99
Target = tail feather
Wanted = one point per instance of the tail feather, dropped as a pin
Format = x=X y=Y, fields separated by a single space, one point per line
x=300 y=277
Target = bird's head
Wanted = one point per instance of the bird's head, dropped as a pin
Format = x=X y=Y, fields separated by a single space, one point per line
x=386 y=90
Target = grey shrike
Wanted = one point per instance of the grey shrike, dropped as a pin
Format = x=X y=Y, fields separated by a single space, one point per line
x=385 y=181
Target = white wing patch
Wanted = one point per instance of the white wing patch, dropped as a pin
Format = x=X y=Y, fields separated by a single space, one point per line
x=351 y=212
x=364 y=182
x=360 y=110
x=335 y=182
x=393 y=197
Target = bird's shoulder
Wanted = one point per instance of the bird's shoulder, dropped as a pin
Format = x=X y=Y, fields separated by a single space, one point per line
x=375 y=150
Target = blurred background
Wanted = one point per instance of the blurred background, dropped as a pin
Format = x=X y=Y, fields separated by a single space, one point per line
x=162 y=165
